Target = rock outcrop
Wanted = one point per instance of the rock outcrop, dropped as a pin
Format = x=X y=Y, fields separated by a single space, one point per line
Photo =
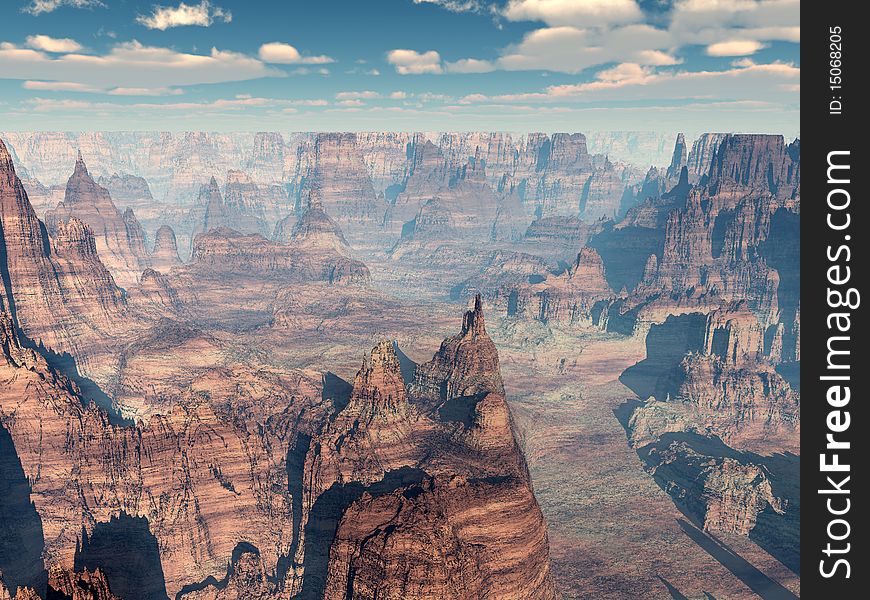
x=164 y=256
x=63 y=295
x=119 y=236
x=126 y=189
x=679 y=159
x=340 y=179
x=385 y=485
x=317 y=252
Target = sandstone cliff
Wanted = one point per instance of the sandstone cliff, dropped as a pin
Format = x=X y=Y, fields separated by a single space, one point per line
x=63 y=296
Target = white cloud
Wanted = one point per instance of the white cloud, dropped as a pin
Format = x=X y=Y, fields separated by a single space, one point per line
x=201 y=15
x=132 y=65
x=411 y=62
x=470 y=65
x=398 y=95
x=140 y=91
x=586 y=33
x=59 y=86
x=734 y=48
x=772 y=82
x=581 y=13
x=37 y=7
x=457 y=6
x=363 y=95
x=571 y=50
x=50 y=44
x=285 y=54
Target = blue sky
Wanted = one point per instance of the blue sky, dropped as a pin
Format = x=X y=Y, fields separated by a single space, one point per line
x=516 y=65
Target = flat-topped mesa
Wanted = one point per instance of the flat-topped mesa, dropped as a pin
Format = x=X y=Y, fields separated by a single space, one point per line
x=245 y=203
x=126 y=188
x=165 y=253
x=680 y=157
x=229 y=252
x=758 y=163
x=567 y=151
x=465 y=365
x=119 y=236
x=342 y=178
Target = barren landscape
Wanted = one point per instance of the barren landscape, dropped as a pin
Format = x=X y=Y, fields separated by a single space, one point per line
x=399 y=366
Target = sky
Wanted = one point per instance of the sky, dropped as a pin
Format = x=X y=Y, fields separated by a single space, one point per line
x=424 y=65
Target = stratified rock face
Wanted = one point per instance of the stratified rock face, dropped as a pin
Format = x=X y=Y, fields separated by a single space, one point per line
x=202 y=479
x=680 y=157
x=119 y=237
x=757 y=164
x=65 y=298
x=465 y=365
x=602 y=194
x=266 y=163
x=342 y=181
x=316 y=252
x=701 y=156
x=410 y=495
x=244 y=205
x=569 y=298
x=165 y=254
x=571 y=232
x=126 y=189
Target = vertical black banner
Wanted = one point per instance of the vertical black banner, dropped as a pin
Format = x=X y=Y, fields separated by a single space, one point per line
x=834 y=419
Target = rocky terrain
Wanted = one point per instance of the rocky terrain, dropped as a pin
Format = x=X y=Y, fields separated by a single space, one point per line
x=188 y=408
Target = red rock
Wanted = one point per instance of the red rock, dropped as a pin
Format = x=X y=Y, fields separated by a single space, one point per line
x=119 y=236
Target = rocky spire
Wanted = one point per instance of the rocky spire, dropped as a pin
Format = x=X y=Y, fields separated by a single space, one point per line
x=466 y=364
x=680 y=157
x=473 y=323
x=378 y=386
x=6 y=166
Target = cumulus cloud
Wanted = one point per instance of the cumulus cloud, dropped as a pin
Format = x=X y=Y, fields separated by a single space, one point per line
x=581 y=13
x=201 y=15
x=132 y=65
x=581 y=34
x=38 y=7
x=470 y=65
x=50 y=44
x=363 y=95
x=571 y=49
x=411 y=62
x=734 y=48
x=285 y=54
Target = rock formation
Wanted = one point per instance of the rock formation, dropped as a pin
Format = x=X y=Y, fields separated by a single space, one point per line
x=384 y=483
x=119 y=236
x=164 y=256
x=317 y=252
x=63 y=296
x=126 y=189
x=679 y=159
x=341 y=180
